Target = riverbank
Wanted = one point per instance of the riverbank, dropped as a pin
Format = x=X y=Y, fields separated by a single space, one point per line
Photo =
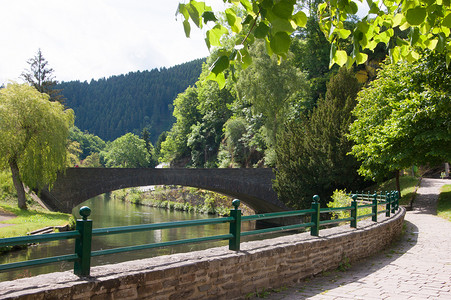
x=16 y=222
x=181 y=199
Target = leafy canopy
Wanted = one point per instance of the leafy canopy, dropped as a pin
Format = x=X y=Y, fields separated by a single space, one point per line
x=127 y=151
x=33 y=134
x=403 y=117
x=427 y=22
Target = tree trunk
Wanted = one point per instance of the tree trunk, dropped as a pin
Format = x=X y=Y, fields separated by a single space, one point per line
x=21 y=200
x=398 y=187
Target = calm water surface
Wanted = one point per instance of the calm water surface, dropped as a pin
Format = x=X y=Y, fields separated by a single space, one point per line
x=107 y=212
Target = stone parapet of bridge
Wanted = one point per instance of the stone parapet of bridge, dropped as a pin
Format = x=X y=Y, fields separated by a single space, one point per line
x=76 y=185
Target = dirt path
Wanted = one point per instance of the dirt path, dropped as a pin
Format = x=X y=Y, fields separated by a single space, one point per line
x=416 y=267
x=5 y=216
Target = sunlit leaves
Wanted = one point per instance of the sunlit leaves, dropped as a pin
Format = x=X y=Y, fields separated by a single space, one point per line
x=402 y=117
x=300 y=18
x=341 y=57
x=34 y=132
x=220 y=65
x=280 y=43
x=427 y=22
x=283 y=9
x=214 y=35
x=272 y=21
x=209 y=16
x=416 y=16
x=261 y=31
x=447 y=20
x=217 y=69
x=187 y=28
x=233 y=20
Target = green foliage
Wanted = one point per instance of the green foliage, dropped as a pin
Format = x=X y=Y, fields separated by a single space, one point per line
x=73 y=154
x=341 y=199
x=426 y=22
x=272 y=22
x=182 y=199
x=425 y=25
x=444 y=202
x=187 y=115
x=88 y=142
x=40 y=77
x=33 y=136
x=272 y=89
x=111 y=107
x=312 y=154
x=311 y=50
x=92 y=161
x=128 y=151
x=6 y=184
x=402 y=118
x=408 y=186
x=27 y=221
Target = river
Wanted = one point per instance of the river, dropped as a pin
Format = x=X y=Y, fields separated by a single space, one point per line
x=109 y=212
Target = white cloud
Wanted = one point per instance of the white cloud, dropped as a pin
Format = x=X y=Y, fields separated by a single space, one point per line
x=84 y=39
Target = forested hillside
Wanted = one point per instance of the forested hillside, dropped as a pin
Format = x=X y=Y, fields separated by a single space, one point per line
x=111 y=107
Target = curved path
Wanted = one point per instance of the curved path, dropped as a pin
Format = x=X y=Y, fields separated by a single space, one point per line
x=416 y=267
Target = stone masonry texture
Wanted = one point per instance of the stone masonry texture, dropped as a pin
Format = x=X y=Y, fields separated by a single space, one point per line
x=416 y=267
x=218 y=273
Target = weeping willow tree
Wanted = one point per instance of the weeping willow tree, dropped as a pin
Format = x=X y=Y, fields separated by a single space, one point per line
x=33 y=137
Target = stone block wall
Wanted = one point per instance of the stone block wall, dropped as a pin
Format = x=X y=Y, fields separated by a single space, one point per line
x=217 y=273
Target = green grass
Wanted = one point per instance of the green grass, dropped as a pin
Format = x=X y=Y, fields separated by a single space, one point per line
x=29 y=220
x=407 y=184
x=444 y=202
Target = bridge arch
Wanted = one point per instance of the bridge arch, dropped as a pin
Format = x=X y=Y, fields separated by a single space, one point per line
x=76 y=185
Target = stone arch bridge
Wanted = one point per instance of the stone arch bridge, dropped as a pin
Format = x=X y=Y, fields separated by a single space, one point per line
x=76 y=185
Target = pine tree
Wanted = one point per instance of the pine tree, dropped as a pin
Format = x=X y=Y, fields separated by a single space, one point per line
x=40 y=76
x=312 y=154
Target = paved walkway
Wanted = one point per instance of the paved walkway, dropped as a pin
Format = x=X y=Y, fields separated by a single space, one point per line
x=416 y=267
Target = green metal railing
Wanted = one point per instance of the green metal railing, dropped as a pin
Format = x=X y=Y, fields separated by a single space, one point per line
x=83 y=232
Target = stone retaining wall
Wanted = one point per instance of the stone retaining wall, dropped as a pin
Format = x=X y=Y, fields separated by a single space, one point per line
x=217 y=273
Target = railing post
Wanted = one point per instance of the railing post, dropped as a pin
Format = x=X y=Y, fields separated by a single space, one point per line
x=354 y=211
x=397 y=199
x=387 y=206
x=374 y=208
x=235 y=226
x=393 y=203
x=314 y=230
x=83 y=243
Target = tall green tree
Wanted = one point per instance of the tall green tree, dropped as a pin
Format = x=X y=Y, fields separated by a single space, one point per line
x=40 y=75
x=311 y=54
x=33 y=137
x=128 y=151
x=185 y=111
x=403 y=117
x=312 y=154
x=272 y=89
x=214 y=109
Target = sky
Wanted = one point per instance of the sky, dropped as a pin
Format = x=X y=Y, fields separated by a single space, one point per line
x=91 y=39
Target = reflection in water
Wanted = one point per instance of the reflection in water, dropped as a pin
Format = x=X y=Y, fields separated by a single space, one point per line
x=107 y=212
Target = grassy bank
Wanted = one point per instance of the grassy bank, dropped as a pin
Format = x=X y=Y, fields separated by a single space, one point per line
x=408 y=186
x=30 y=220
x=444 y=203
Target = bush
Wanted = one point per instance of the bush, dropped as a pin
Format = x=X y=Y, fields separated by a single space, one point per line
x=341 y=199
